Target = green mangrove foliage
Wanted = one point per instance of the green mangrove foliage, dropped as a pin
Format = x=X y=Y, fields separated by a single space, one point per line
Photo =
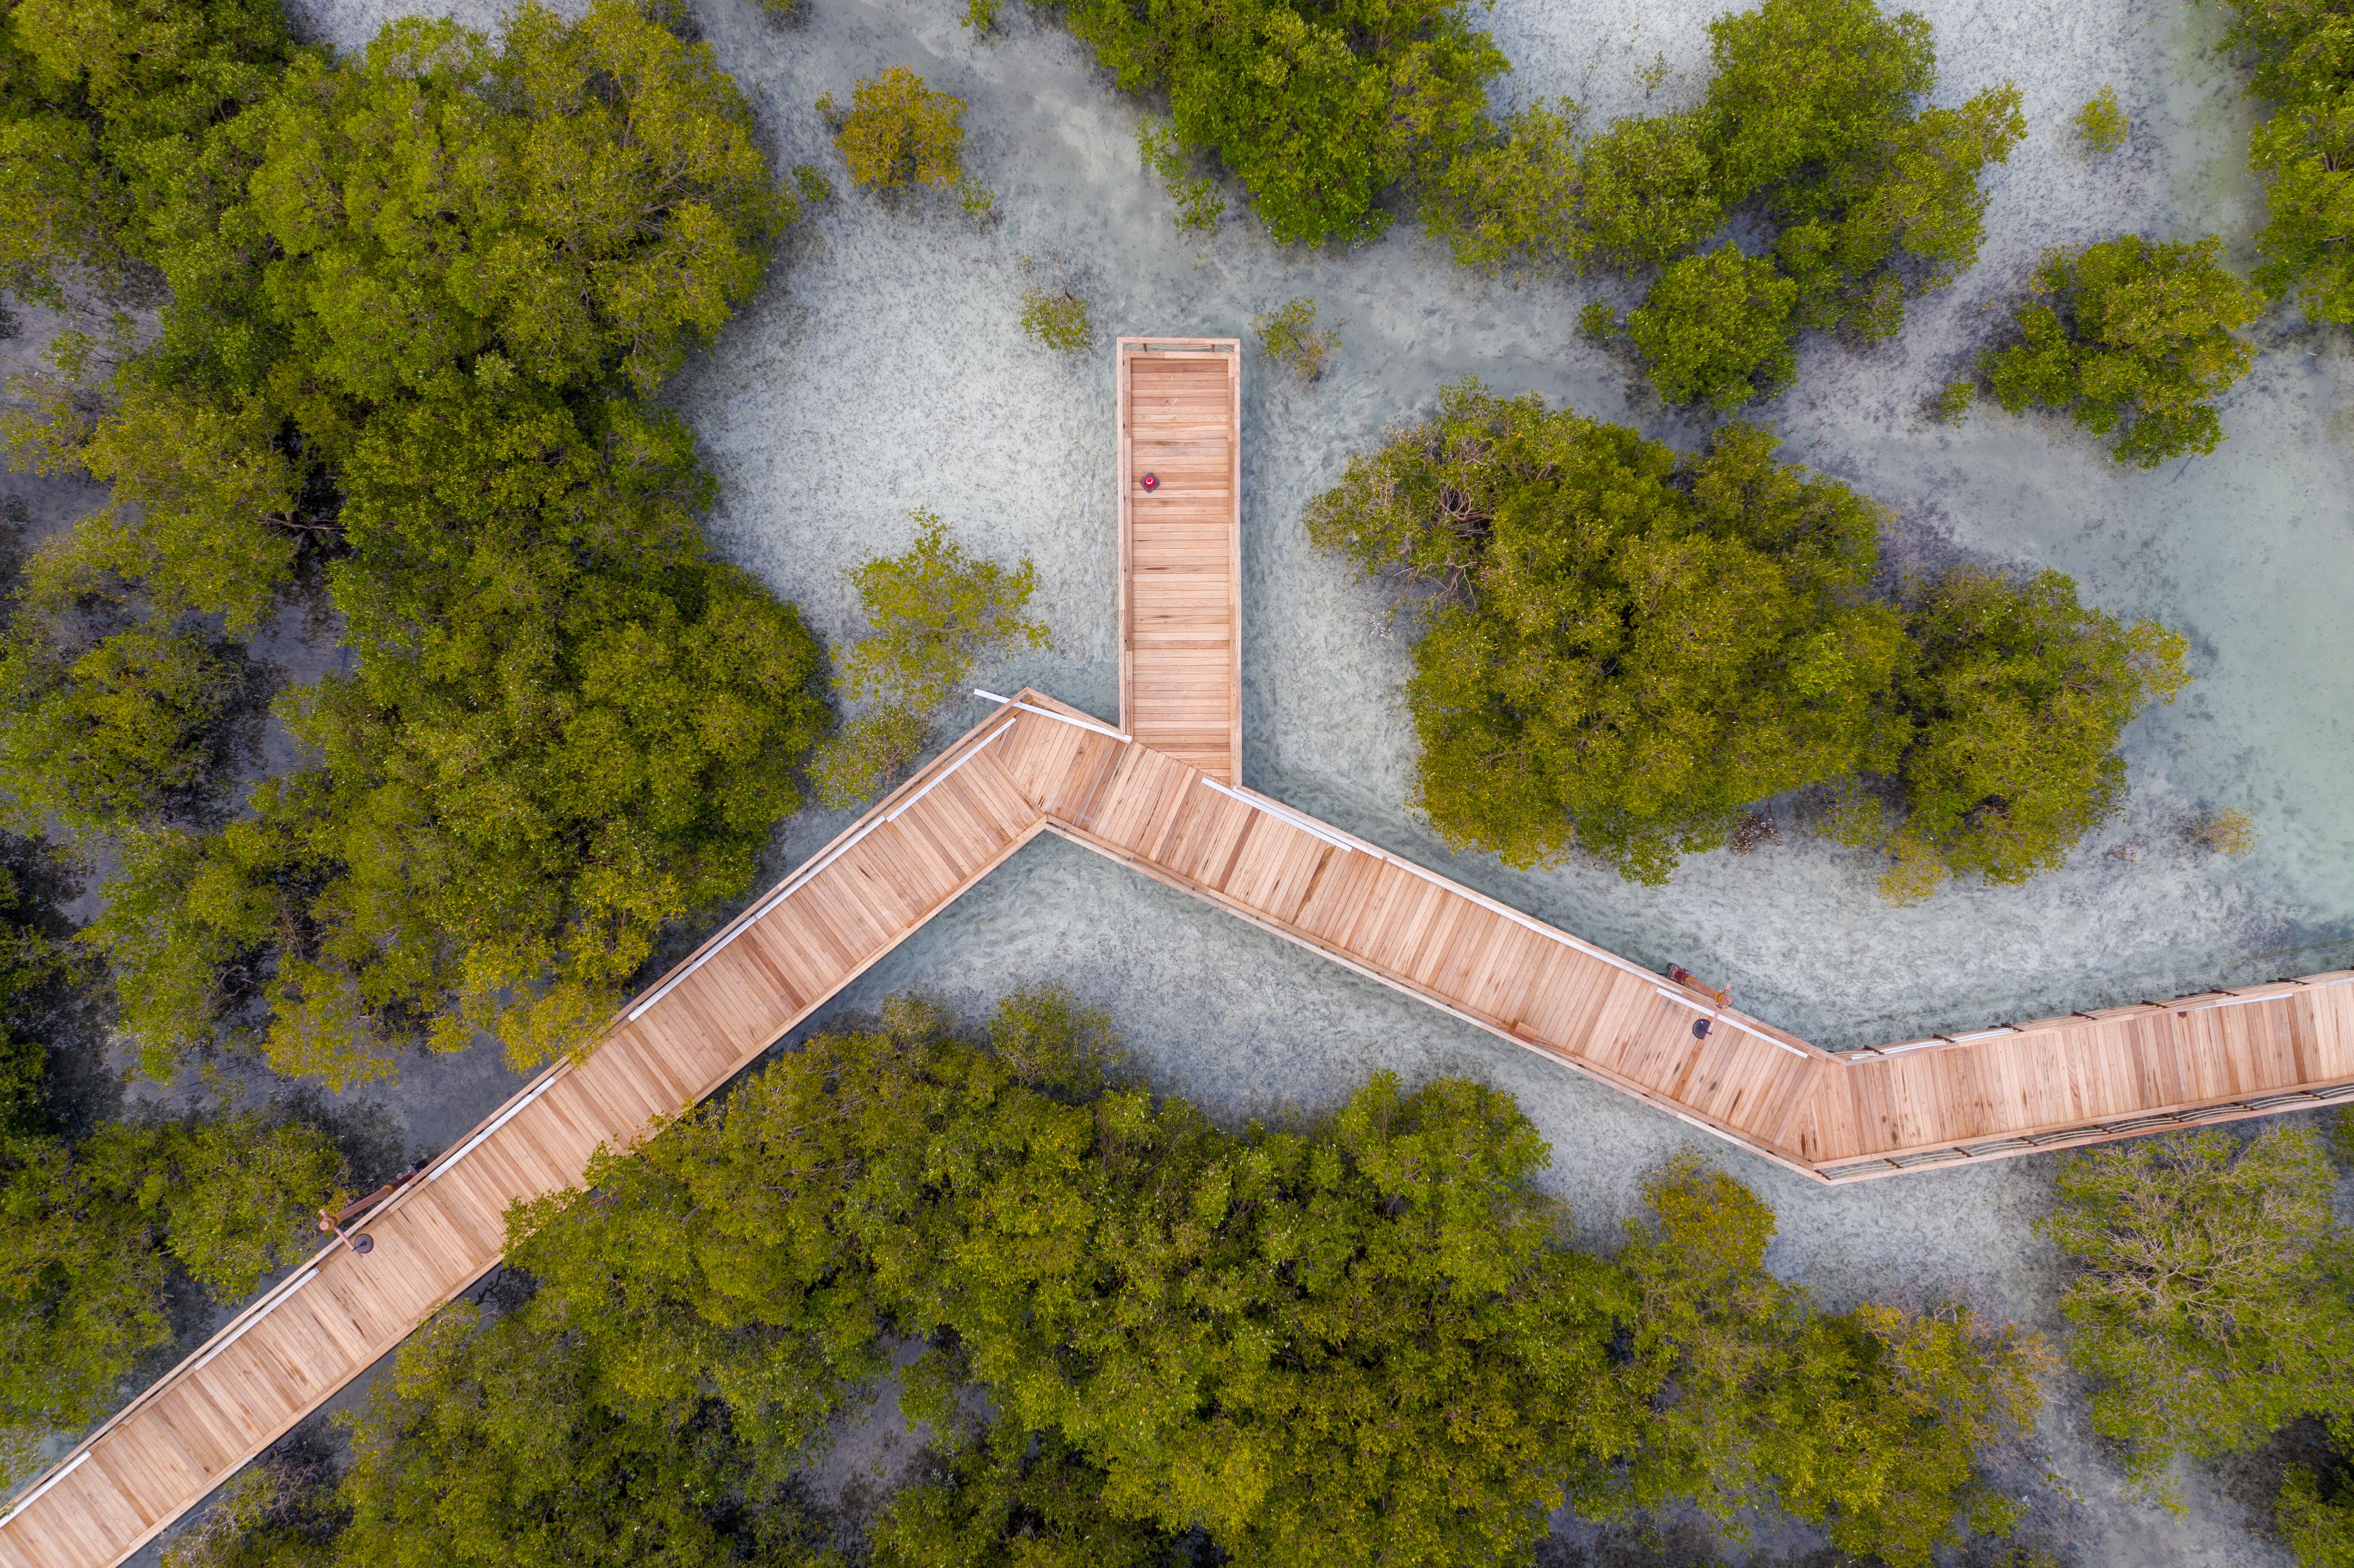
x=1318 y=107
x=1621 y=648
x=34 y=964
x=114 y=1234
x=97 y=1235
x=1812 y=122
x=1627 y=649
x=2133 y=336
x=2213 y=1305
x=2303 y=53
x=2102 y=121
x=2012 y=704
x=103 y=731
x=563 y=732
x=510 y=1440
x=1200 y=203
x=1715 y=329
x=1293 y=340
x=936 y=610
x=415 y=298
x=1363 y=1339
x=897 y=132
x=2214 y=1301
x=102 y=106
x=281 y=1512
x=1052 y=313
x=2317 y=1520
x=1869 y=1423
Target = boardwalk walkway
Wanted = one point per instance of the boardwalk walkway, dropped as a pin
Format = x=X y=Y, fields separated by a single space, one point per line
x=1177 y=814
x=803 y=941
x=1181 y=669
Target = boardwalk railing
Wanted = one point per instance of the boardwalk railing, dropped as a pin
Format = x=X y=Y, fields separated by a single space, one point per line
x=1036 y=766
x=896 y=866
x=1162 y=794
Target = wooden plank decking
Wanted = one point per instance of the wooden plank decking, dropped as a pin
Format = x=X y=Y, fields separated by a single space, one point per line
x=1180 y=549
x=1165 y=800
x=819 y=929
x=1037 y=766
x=1835 y=1117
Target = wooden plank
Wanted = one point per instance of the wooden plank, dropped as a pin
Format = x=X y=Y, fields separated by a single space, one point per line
x=1179 y=406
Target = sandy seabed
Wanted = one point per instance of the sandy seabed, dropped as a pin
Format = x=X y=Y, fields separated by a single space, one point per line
x=884 y=368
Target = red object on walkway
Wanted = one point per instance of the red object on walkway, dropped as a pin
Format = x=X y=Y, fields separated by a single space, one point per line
x=1151 y=481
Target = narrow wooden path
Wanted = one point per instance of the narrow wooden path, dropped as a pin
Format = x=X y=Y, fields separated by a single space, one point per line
x=1831 y=1116
x=1177 y=813
x=325 y=1323
x=1181 y=669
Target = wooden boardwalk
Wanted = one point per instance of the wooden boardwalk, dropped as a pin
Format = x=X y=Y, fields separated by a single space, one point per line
x=325 y=1323
x=1035 y=766
x=1181 y=669
x=1834 y=1116
x=1164 y=799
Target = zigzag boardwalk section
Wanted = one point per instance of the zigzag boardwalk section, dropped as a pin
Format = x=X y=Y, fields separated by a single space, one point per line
x=1036 y=766
x=1181 y=548
x=1165 y=798
x=1834 y=1116
x=326 y=1322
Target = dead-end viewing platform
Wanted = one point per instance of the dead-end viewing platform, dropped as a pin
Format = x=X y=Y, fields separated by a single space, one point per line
x=1181 y=658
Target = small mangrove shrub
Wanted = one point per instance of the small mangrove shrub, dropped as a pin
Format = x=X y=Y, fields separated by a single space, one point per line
x=935 y=610
x=1716 y=329
x=2102 y=121
x=865 y=755
x=1293 y=340
x=2132 y=336
x=2229 y=832
x=898 y=132
x=1052 y=313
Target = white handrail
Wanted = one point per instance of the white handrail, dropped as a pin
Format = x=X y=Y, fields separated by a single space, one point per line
x=799 y=879
x=951 y=768
x=1682 y=1001
x=1281 y=813
x=278 y=1300
x=441 y=1167
x=70 y=1465
x=1333 y=836
x=1049 y=713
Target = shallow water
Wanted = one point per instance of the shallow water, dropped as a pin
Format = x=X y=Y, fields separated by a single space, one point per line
x=884 y=368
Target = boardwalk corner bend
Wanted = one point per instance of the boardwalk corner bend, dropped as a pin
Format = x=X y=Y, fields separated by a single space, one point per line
x=1162 y=794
